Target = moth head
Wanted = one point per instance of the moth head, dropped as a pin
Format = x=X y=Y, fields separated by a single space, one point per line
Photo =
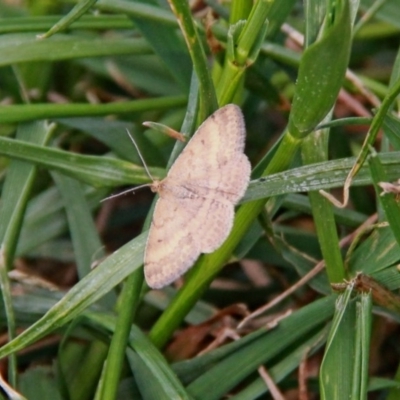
x=156 y=186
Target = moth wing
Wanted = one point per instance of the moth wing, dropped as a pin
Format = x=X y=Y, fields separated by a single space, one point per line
x=214 y=157
x=171 y=247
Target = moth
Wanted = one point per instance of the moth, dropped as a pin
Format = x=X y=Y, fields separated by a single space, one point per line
x=195 y=210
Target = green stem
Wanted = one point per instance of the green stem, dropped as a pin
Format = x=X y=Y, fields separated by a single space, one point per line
x=208 y=99
x=128 y=303
x=315 y=149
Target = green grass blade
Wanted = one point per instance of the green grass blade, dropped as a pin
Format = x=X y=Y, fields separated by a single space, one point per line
x=144 y=11
x=340 y=348
x=389 y=201
x=87 y=244
x=45 y=22
x=27 y=112
x=376 y=124
x=96 y=171
x=364 y=324
x=315 y=149
x=128 y=303
x=208 y=100
x=24 y=47
x=45 y=221
x=324 y=64
x=171 y=49
x=328 y=174
x=77 y=11
x=91 y=288
x=152 y=363
x=18 y=186
x=285 y=367
x=230 y=372
x=16 y=191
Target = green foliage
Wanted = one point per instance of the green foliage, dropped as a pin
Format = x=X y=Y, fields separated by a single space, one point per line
x=73 y=79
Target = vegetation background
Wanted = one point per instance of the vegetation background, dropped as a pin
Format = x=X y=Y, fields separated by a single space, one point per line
x=318 y=83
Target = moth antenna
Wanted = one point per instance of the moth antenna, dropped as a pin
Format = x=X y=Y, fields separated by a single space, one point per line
x=140 y=156
x=145 y=168
x=126 y=191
